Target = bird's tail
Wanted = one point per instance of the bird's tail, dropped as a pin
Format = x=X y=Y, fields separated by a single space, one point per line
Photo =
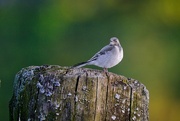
x=80 y=64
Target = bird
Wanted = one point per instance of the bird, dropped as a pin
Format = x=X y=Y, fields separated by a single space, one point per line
x=109 y=56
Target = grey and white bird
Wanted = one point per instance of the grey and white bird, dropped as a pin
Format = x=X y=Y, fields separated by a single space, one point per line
x=107 y=57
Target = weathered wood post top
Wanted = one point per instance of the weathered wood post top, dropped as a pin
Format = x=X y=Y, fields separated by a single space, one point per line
x=54 y=93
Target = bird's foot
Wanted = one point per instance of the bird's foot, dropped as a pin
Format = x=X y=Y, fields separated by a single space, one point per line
x=105 y=70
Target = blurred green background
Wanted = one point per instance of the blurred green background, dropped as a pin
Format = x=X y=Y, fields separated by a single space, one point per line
x=65 y=32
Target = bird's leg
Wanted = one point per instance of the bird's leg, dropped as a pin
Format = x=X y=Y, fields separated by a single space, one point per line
x=105 y=70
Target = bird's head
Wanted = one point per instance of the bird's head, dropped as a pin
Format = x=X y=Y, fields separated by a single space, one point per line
x=114 y=41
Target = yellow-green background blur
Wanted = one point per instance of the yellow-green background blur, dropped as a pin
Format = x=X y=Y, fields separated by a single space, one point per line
x=65 y=32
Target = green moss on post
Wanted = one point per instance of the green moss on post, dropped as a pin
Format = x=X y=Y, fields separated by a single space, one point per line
x=55 y=93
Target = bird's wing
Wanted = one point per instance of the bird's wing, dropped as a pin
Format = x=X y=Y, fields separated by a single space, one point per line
x=103 y=51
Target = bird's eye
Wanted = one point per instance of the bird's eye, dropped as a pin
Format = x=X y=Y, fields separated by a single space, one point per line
x=115 y=40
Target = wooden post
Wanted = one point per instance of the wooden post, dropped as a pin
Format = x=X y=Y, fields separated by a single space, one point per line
x=54 y=93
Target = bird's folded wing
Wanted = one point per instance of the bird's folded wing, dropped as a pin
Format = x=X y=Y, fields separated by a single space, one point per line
x=103 y=51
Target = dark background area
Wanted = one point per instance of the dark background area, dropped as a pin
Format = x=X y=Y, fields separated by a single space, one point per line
x=65 y=32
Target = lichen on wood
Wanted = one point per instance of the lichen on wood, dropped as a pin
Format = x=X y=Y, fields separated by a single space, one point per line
x=55 y=93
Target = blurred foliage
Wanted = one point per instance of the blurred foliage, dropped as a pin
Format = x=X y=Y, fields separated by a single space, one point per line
x=65 y=32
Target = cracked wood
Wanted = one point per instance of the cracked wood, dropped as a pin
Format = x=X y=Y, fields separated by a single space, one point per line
x=60 y=93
